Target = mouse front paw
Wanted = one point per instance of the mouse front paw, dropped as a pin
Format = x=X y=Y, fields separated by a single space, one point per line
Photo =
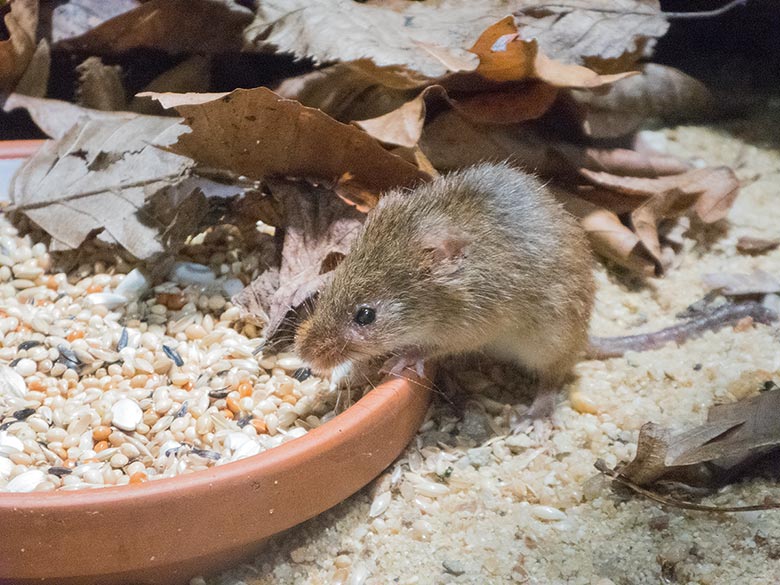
x=396 y=365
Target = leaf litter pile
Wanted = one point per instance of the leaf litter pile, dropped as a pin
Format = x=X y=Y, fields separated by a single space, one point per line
x=152 y=149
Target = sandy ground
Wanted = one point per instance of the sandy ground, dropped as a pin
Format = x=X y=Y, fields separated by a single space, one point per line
x=524 y=509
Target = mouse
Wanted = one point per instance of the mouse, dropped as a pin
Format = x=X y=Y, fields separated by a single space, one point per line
x=482 y=260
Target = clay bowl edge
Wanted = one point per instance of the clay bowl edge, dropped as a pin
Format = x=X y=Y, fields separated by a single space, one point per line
x=168 y=530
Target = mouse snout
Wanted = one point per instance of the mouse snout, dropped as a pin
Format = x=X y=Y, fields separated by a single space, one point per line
x=320 y=351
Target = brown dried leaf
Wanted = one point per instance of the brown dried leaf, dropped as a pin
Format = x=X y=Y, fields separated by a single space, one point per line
x=105 y=177
x=657 y=449
x=751 y=245
x=318 y=227
x=528 y=101
x=504 y=56
x=740 y=284
x=733 y=435
x=17 y=51
x=100 y=86
x=258 y=134
x=193 y=74
x=254 y=301
x=450 y=141
x=658 y=91
x=403 y=126
x=709 y=192
x=605 y=35
x=55 y=117
x=758 y=419
x=413 y=34
x=354 y=91
x=109 y=28
x=608 y=236
x=621 y=161
x=713 y=188
x=35 y=79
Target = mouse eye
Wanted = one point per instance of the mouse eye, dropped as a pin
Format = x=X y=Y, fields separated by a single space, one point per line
x=364 y=316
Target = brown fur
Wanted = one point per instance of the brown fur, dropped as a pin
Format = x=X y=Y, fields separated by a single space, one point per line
x=483 y=259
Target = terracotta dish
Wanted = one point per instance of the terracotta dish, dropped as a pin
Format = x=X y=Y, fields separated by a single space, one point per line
x=169 y=530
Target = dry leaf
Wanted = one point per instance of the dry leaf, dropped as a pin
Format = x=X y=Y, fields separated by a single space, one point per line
x=106 y=177
x=358 y=90
x=758 y=419
x=193 y=74
x=318 y=227
x=210 y=26
x=523 y=102
x=35 y=79
x=733 y=435
x=605 y=35
x=608 y=236
x=750 y=245
x=258 y=134
x=100 y=86
x=657 y=449
x=403 y=126
x=64 y=20
x=504 y=56
x=713 y=188
x=255 y=300
x=55 y=117
x=413 y=34
x=658 y=91
x=621 y=161
x=17 y=51
x=450 y=141
x=740 y=284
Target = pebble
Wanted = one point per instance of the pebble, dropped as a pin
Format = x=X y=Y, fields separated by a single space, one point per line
x=126 y=414
x=453 y=567
x=583 y=403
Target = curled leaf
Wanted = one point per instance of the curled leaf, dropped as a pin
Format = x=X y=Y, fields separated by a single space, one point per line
x=105 y=177
x=504 y=56
x=409 y=34
x=605 y=35
x=17 y=51
x=258 y=134
x=733 y=436
x=318 y=228
x=110 y=28
x=608 y=236
x=657 y=91
x=713 y=188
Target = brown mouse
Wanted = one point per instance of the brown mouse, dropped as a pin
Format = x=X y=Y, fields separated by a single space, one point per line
x=480 y=260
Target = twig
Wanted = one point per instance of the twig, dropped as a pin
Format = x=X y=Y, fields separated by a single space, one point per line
x=603 y=468
x=704 y=13
x=617 y=11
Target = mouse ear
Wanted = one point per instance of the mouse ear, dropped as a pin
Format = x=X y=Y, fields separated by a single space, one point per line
x=445 y=248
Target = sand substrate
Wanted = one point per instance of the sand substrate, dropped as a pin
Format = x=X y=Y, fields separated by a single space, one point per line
x=495 y=509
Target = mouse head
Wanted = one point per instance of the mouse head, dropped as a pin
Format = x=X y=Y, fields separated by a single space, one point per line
x=394 y=292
